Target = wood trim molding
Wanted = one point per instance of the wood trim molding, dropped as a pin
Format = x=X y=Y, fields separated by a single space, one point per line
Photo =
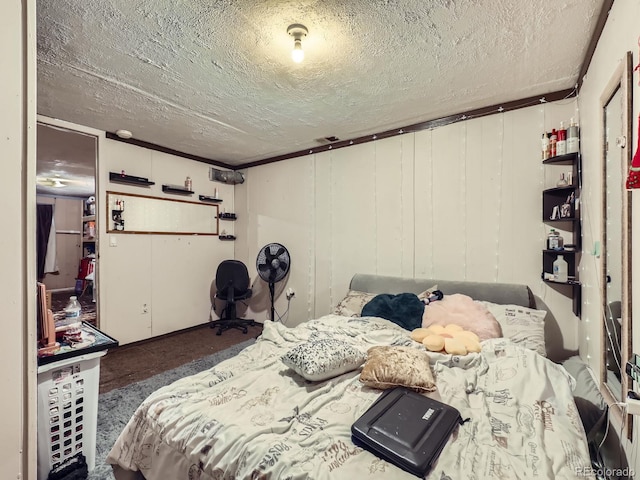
x=426 y=125
x=416 y=127
x=602 y=20
x=170 y=151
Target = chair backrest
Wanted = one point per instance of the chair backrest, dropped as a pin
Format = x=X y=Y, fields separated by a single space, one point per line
x=232 y=274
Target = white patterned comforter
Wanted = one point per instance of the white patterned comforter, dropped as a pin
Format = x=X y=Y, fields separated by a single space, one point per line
x=250 y=417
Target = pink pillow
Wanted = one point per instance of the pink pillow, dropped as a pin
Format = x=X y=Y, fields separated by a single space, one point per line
x=464 y=311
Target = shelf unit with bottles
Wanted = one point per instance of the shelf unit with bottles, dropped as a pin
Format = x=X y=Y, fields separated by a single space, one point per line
x=88 y=234
x=561 y=211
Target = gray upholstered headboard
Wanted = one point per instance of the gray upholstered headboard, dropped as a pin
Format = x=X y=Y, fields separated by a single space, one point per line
x=503 y=293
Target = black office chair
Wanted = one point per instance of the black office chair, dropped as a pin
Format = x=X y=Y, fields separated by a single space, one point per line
x=232 y=284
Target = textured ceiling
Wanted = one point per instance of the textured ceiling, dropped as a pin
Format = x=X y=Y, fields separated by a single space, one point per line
x=215 y=78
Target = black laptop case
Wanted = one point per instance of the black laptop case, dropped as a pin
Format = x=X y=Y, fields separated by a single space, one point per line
x=406 y=429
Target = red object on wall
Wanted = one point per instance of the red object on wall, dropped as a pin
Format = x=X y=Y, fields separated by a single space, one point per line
x=86 y=267
x=633 y=180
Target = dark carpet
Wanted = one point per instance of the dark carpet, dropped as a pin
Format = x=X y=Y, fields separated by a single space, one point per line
x=137 y=361
x=117 y=406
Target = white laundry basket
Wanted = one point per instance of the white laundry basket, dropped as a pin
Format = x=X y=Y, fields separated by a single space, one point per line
x=68 y=410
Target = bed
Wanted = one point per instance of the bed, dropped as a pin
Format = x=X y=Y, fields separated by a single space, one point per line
x=255 y=417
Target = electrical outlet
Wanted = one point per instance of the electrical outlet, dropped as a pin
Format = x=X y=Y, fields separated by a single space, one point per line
x=290 y=293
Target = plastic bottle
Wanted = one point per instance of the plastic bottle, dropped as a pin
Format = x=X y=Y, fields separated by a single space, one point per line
x=72 y=311
x=553 y=141
x=187 y=183
x=560 y=269
x=561 y=144
x=545 y=146
x=573 y=139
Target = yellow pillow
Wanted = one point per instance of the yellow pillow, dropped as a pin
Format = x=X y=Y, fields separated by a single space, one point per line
x=397 y=366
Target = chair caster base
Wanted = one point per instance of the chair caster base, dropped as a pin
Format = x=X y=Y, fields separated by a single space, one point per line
x=225 y=324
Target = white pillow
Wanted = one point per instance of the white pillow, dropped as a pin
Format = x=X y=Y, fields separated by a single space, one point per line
x=323 y=359
x=521 y=325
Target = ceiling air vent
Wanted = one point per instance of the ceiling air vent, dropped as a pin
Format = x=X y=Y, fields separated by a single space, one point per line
x=325 y=140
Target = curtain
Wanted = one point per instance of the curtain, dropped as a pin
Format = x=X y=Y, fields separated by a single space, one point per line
x=43 y=231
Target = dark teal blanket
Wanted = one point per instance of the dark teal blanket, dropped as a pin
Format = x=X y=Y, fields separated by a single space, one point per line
x=404 y=309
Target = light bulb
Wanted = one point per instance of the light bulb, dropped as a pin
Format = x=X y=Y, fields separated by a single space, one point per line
x=297 y=54
x=297 y=31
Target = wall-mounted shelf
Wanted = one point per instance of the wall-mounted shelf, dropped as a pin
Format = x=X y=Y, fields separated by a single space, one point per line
x=206 y=198
x=227 y=237
x=227 y=216
x=573 y=289
x=570 y=256
x=568 y=159
x=129 y=179
x=561 y=205
x=88 y=234
x=568 y=282
x=177 y=189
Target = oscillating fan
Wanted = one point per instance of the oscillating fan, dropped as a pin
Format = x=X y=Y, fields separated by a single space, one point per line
x=273 y=264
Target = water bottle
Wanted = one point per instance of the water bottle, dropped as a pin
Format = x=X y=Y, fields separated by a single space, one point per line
x=560 y=270
x=72 y=311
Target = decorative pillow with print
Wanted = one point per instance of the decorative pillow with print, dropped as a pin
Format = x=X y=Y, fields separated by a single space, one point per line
x=521 y=325
x=351 y=305
x=323 y=359
x=397 y=366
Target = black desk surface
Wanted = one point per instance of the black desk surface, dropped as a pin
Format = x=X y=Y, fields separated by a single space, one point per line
x=102 y=342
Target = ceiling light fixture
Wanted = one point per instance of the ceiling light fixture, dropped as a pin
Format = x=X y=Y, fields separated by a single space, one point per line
x=297 y=31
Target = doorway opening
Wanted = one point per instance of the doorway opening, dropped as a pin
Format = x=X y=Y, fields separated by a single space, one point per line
x=66 y=166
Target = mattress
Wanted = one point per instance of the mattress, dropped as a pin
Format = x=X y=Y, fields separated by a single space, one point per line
x=253 y=417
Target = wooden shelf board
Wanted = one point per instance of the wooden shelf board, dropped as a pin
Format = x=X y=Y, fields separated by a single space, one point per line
x=129 y=179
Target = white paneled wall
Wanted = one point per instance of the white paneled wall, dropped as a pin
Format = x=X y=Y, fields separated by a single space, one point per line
x=483 y=176
x=152 y=284
x=446 y=186
x=461 y=201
